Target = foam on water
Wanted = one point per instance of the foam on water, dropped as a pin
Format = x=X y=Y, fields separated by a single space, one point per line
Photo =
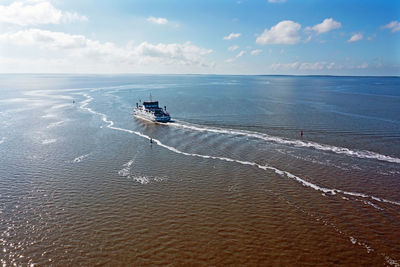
x=80 y=158
x=373 y=205
x=49 y=115
x=159 y=178
x=281 y=173
x=356 y=242
x=364 y=154
x=126 y=171
x=143 y=179
x=391 y=261
x=312 y=160
x=49 y=141
x=54 y=124
x=390 y=172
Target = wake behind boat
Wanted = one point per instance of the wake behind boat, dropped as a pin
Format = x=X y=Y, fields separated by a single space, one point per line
x=151 y=111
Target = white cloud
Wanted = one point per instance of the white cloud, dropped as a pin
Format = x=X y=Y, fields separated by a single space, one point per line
x=157 y=20
x=241 y=53
x=36 y=12
x=394 y=26
x=305 y=66
x=325 y=26
x=318 y=66
x=255 y=52
x=183 y=54
x=309 y=36
x=73 y=16
x=80 y=47
x=362 y=66
x=232 y=36
x=233 y=48
x=356 y=37
x=276 y=1
x=45 y=39
x=285 y=32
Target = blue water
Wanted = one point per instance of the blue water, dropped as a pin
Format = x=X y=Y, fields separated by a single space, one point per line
x=229 y=181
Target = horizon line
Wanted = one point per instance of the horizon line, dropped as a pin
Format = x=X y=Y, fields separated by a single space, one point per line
x=183 y=74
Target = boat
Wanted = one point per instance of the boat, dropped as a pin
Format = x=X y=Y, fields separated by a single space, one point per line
x=149 y=110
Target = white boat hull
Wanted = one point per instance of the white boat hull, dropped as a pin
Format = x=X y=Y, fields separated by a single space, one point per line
x=148 y=115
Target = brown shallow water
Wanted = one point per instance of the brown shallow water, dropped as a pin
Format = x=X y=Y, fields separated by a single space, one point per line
x=81 y=185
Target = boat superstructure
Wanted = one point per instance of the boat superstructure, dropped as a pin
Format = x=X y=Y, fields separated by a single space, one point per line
x=150 y=110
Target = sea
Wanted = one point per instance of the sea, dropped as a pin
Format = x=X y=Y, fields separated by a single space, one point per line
x=229 y=181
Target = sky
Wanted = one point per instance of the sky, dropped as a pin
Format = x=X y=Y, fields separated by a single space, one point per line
x=289 y=37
